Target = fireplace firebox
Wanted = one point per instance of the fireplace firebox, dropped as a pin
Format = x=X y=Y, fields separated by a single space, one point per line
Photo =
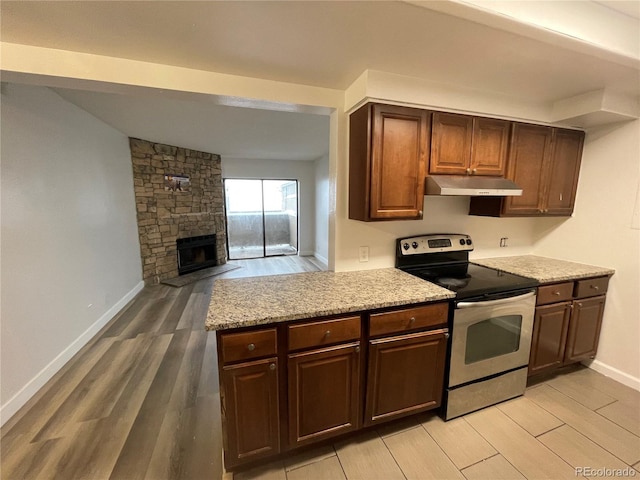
x=196 y=253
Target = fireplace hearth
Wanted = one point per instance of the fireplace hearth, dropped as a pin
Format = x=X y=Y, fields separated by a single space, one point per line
x=196 y=253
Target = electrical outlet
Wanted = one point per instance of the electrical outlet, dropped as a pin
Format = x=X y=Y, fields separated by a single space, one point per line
x=503 y=241
x=363 y=254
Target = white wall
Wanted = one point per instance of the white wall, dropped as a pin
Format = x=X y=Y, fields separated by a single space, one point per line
x=441 y=215
x=322 y=209
x=69 y=245
x=601 y=233
x=304 y=172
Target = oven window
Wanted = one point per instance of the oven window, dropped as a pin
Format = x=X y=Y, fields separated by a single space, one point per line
x=492 y=338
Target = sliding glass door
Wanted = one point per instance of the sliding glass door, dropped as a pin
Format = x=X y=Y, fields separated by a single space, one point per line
x=262 y=217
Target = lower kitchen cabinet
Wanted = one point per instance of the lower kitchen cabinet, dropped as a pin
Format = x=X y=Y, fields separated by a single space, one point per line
x=584 y=329
x=405 y=375
x=324 y=392
x=549 y=338
x=250 y=407
x=297 y=383
x=567 y=323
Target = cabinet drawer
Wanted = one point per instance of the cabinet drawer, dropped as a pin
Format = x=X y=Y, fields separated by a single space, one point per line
x=591 y=287
x=326 y=332
x=558 y=292
x=248 y=345
x=408 y=319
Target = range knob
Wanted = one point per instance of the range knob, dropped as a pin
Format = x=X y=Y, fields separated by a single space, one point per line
x=462 y=241
x=414 y=244
x=468 y=241
x=405 y=246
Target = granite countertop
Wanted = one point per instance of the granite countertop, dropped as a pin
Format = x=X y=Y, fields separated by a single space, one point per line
x=244 y=302
x=543 y=269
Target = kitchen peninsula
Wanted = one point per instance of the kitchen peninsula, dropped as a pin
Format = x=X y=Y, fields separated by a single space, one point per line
x=253 y=301
x=310 y=356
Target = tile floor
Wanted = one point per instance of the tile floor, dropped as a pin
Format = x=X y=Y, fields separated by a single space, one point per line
x=576 y=420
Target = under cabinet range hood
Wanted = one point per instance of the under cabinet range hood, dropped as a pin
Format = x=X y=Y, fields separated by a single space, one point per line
x=471 y=186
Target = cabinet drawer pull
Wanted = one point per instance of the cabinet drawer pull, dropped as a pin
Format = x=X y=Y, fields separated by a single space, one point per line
x=412 y=320
x=251 y=347
x=580 y=304
x=556 y=293
x=272 y=366
x=595 y=287
x=446 y=335
x=327 y=333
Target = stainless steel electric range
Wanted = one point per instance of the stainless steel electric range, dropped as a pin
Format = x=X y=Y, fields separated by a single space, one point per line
x=491 y=323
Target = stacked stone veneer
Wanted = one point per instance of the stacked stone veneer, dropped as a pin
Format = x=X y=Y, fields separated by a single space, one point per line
x=165 y=215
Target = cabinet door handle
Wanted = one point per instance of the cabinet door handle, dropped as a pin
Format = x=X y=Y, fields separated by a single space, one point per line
x=468 y=171
x=272 y=366
x=475 y=170
x=251 y=347
x=580 y=305
x=420 y=213
x=446 y=335
x=357 y=349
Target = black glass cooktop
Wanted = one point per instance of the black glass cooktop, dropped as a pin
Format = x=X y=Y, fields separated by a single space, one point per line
x=470 y=280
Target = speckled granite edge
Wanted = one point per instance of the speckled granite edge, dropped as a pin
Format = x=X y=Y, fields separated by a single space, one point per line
x=255 y=301
x=544 y=269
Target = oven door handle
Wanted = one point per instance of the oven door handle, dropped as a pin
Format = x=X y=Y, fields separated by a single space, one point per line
x=490 y=303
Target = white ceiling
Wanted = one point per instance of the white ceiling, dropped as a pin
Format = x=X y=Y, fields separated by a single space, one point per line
x=325 y=43
x=232 y=132
x=631 y=8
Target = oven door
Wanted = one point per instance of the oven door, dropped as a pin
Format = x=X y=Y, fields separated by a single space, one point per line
x=490 y=337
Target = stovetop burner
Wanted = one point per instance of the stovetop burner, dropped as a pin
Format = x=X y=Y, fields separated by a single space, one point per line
x=443 y=259
x=452 y=283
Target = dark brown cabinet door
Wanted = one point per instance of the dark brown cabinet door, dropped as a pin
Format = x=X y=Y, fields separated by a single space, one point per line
x=388 y=149
x=563 y=174
x=584 y=329
x=528 y=159
x=451 y=144
x=250 y=408
x=549 y=337
x=405 y=375
x=489 y=146
x=324 y=393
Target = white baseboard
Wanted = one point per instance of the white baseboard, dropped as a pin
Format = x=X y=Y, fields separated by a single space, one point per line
x=305 y=253
x=614 y=373
x=36 y=383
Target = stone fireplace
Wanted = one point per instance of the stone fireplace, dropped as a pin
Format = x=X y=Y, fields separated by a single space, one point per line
x=189 y=221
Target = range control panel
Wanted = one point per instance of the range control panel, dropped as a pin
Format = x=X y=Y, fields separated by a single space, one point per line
x=435 y=243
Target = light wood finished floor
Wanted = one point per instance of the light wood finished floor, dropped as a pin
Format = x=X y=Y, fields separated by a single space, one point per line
x=142 y=401
x=257 y=267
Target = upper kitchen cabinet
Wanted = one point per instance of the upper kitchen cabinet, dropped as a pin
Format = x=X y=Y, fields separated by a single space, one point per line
x=545 y=162
x=465 y=145
x=388 y=152
x=563 y=172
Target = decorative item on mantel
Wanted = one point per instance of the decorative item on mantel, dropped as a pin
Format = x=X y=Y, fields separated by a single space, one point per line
x=177 y=183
